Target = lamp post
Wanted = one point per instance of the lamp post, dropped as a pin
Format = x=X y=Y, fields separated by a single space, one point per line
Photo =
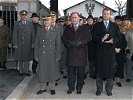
x=54 y=5
x=129 y=11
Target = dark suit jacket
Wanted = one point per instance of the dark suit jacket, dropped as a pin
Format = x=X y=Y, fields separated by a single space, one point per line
x=76 y=56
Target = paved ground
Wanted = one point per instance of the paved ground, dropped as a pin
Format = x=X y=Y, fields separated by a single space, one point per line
x=88 y=92
x=9 y=80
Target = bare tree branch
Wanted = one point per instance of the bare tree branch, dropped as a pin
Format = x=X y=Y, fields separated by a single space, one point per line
x=121 y=6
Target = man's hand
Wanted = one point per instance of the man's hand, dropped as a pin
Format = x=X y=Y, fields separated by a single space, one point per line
x=57 y=59
x=36 y=59
x=117 y=50
x=105 y=37
x=15 y=46
x=32 y=46
x=110 y=41
x=78 y=44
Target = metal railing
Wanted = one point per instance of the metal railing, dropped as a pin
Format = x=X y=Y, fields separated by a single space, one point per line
x=8 y=10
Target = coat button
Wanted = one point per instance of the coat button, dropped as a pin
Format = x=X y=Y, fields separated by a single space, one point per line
x=43 y=40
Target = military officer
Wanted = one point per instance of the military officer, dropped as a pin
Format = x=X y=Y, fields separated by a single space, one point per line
x=23 y=41
x=48 y=53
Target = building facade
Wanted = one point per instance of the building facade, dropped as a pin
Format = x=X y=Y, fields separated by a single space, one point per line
x=88 y=7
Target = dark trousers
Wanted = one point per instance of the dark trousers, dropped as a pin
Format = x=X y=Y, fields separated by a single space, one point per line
x=120 y=65
x=72 y=72
x=108 y=85
x=34 y=65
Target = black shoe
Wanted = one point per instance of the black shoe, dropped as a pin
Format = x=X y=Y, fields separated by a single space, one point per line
x=109 y=93
x=85 y=75
x=34 y=72
x=119 y=84
x=69 y=91
x=113 y=79
x=0 y=65
x=40 y=91
x=47 y=84
x=64 y=77
x=52 y=92
x=4 y=68
x=4 y=65
x=56 y=84
x=98 y=93
x=128 y=80
x=27 y=74
x=93 y=76
x=84 y=83
x=21 y=74
x=78 y=92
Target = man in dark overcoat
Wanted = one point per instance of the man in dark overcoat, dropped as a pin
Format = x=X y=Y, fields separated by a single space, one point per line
x=75 y=38
x=36 y=25
x=4 y=41
x=105 y=34
x=120 y=54
x=91 y=49
x=23 y=41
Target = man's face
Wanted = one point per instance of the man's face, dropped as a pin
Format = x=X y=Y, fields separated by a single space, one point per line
x=75 y=18
x=61 y=23
x=68 y=22
x=35 y=19
x=54 y=19
x=1 y=22
x=106 y=15
x=125 y=22
x=118 y=21
x=90 y=21
x=23 y=17
x=47 y=23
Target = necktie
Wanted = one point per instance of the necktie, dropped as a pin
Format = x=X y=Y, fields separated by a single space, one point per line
x=47 y=29
x=24 y=22
x=75 y=27
x=106 y=24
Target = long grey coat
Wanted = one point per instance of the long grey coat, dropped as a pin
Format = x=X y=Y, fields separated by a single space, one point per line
x=48 y=53
x=23 y=37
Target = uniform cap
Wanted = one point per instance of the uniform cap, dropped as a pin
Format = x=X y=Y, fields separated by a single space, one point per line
x=46 y=17
x=23 y=12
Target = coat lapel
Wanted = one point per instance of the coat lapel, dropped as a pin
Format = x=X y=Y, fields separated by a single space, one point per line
x=109 y=27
